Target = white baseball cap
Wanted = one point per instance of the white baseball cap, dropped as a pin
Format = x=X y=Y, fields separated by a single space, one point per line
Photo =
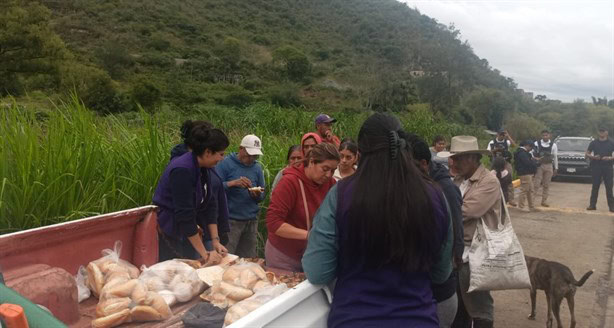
x=252 y=145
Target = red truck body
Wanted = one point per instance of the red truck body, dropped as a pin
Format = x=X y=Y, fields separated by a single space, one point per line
x=30 y=253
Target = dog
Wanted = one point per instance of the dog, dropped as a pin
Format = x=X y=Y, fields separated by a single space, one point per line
x=557 y=281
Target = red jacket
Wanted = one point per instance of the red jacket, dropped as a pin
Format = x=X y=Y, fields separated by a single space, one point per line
x=287 y=207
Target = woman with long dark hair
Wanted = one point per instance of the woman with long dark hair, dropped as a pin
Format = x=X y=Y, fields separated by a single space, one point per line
x=185 y=198
x=381 y=233
x=348 y=153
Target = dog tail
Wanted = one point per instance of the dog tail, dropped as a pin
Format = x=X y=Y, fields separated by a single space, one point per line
x=582 y=280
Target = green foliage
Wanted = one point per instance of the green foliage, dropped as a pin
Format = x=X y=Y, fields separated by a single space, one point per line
x=101 y=94
x=230 y=53
x=489 y=107
x=285 y=96
x=28 y=45
x=296 y=65
x=524 y=127
x=146 y=94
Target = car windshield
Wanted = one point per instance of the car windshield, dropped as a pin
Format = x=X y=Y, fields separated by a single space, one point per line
x=573 y=145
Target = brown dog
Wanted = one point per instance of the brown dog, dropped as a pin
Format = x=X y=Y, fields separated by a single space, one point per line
x=557 y=281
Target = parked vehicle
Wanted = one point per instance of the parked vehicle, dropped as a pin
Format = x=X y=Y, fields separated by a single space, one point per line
x=28 y=258
x=571 y=156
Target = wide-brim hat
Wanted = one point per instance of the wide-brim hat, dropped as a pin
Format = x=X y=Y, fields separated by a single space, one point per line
x=461 y=145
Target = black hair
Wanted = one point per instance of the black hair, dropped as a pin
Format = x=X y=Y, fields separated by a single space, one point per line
x=188 y=125
x=350 y=145
x=202 y=138
x=391 y=213
x=499 y=165
x=419 y=149
x=437 y=139
x=292 y=149
x=545 y=131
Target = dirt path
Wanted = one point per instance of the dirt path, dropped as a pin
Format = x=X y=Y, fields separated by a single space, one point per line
x=582 y=240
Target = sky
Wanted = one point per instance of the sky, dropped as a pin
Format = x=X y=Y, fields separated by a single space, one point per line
x=561 y=49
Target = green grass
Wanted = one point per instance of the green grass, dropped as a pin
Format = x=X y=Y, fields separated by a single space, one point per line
x=65 y=162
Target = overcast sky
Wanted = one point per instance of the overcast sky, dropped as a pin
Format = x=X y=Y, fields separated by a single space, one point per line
x=563 y=49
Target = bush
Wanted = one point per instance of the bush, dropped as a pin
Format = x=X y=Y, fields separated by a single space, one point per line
x=101 y=95
x=146 y=94
x=285 y=96
x=297 y=66
x=522 y=126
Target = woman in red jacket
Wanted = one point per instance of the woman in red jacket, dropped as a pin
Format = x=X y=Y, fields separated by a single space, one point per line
x=293 y=204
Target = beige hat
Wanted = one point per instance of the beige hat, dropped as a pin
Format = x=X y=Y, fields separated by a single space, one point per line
x=461 y=145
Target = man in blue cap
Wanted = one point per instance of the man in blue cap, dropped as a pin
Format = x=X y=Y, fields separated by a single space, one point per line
x=324 y=129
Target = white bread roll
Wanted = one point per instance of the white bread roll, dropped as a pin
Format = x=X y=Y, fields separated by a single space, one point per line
x=142 y=313
x=112 y=320
x=233 y=292
x=111 y=306
x=95 y=278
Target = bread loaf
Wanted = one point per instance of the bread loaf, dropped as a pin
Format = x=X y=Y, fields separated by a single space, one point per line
x=125 y=289
x=112 y=320
x=157 y=302
x=141 y=313
x=139 y=293
x=111 y=306
x=95 y=278
x=261 y=284
x=232 y=275
x=234 y=292
x=248 y=279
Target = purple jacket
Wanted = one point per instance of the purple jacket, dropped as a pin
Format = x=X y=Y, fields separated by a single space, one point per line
x=179 y=215
x=387 y=296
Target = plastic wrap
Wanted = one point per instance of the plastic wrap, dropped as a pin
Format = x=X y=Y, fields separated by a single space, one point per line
x=175 y=280
x=244 y=307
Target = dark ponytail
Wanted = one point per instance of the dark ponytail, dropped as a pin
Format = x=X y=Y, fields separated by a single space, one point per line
x=188 y=125
x=391 y=216
x=202 y=138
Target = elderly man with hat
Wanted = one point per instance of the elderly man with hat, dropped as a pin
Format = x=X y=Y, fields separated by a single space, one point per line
x=481 y=194
x=600 y=152
x=243 y=181
x=324 y=129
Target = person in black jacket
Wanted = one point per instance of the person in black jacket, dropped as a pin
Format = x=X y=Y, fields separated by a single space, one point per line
x=526 y=166
x=445 y=293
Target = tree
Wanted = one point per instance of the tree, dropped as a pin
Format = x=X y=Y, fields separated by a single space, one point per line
x=146 y=94
x=296 y=64
x=489 y=106
x=230 y=53
x=541 y=97
x=28 y=45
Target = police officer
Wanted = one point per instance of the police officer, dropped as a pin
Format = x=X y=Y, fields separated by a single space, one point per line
x=500 y=147
x=545 y=152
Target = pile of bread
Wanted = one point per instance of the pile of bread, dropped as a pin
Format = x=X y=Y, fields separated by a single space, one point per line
x=237 y=286
x=127 y=295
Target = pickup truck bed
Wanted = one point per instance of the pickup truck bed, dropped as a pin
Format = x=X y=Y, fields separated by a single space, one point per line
x=72 y=244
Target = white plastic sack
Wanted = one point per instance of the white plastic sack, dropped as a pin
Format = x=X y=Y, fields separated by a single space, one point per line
x=253 y=302
x=496 y=259
x=82 y=291
x=174 y=280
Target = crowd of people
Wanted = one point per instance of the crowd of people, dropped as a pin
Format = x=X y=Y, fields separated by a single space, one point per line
x=387 y=219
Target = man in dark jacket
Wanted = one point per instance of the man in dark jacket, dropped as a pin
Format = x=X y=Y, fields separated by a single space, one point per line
x=526 y=166
x=444 y=294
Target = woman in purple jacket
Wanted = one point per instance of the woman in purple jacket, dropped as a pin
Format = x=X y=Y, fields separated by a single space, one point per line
x=184 y=195
x=384 y=234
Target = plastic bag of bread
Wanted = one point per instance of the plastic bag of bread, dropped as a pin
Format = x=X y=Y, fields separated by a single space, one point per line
x=263 y=295
x=223 y=294
x=83 y=291
x=175 y=280
x=131 y=296
x=109 y=268
x=244 y=274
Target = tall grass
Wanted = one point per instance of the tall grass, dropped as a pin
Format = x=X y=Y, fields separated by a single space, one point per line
x=70 y=163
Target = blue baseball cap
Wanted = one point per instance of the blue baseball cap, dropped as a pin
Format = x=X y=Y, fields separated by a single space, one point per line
x=323 y=118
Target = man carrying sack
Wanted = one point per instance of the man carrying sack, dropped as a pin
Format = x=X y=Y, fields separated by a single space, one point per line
x=481 y=199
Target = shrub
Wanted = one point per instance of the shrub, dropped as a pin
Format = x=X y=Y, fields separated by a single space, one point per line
x=285 y=96
x=146 y=94
x=101 y=95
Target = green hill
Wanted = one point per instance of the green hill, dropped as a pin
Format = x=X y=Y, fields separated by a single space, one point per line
x=337 y=54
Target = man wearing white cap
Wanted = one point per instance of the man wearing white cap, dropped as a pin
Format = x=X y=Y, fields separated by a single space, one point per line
x=481 y=193
x=243 y=181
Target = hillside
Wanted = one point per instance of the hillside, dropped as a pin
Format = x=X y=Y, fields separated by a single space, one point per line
x=332 y=54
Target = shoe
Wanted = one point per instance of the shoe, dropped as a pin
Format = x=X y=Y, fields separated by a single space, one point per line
x=545 y=205
x=482 y=323
x=591 y=208
x=512 y=204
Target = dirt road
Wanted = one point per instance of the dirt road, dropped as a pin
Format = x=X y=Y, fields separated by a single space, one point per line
x=582 y=240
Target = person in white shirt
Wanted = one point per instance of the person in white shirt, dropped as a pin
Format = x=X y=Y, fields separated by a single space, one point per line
x=545 y=151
